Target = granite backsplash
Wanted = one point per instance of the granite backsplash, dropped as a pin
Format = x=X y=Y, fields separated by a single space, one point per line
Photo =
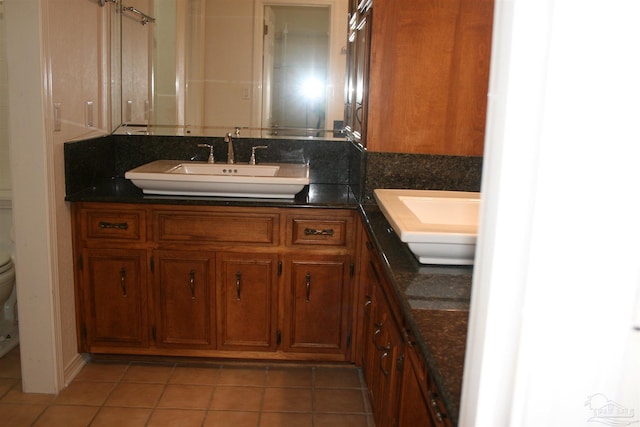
x=92 y=161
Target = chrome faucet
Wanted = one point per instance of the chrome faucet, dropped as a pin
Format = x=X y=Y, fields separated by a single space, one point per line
x=229 y=139
x=210 y=147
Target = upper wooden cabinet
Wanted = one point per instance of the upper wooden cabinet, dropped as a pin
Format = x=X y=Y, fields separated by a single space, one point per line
x=428 y=76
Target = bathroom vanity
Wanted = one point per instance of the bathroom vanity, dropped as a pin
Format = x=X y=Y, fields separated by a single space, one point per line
x=214 y=281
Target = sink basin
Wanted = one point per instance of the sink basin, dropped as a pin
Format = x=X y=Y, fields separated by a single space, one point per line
x=177 y=177
x=440 y=227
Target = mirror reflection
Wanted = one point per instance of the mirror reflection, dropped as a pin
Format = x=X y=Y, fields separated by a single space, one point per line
x=272 y=68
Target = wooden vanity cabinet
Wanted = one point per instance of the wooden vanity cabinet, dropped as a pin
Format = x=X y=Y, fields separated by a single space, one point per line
x=317 y=304
x=114 y=302
x=207 y=281
x=111 y=277
x=184 y=300
x=383 y=356
x=319 y=270
x=400 y=389
x=247 y=294
x=420 y=404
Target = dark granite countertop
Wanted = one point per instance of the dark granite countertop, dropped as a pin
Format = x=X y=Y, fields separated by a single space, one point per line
x=120 y=190
x=435 y=302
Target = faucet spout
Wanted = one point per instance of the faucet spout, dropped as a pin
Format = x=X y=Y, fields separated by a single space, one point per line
x=230 y=156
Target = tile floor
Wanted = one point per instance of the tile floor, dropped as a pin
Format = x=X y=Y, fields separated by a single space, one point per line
x=120 y=394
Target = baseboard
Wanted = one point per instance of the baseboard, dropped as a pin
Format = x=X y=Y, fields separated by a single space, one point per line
x=74 y=367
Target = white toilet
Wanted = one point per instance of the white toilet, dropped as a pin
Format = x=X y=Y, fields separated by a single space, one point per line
x=8 y=313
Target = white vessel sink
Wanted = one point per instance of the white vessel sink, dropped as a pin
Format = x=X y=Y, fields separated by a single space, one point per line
x=440 y=227
x=177 y=177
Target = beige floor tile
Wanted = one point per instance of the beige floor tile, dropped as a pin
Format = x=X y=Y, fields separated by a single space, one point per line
x=66 y=416
x=287 y=399
x=338 y=400
x=121 y=417
x=176 y=418
x=231 y=418
x=195 y=375
x=242 y=376
x=16 y=395
x=236 y=398
x=19 y=415
x=185 y=396
x=148 y=373
x=330 y=377
x=89 y=393
x=289 y=377
x=135 y=395
x=102 y=371
x=275 y=419
x=340 y=420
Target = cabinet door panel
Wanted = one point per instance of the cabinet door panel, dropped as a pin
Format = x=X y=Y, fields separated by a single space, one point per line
x=115 y=297
x=414 y=406
x=318 y=303
x=185 y=299
x=247 y=301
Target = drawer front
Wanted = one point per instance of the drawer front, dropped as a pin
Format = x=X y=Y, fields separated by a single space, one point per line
x=320 y=232
x=113 y=224
x=232 y=227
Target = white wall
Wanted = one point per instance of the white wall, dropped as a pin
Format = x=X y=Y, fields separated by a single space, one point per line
x=6 y=220
x=558 y=260
x=55 y=54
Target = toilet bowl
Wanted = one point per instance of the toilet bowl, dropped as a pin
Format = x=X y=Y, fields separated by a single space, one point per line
x=8 y=316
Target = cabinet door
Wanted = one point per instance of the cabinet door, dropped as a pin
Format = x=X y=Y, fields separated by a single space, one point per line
x=247 y=295
x=184 y=299
x=317 y=304
x=386 y=364
x=114 y=288
x=414 y=406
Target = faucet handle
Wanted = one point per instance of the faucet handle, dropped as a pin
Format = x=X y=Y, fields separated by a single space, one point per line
x=210 y=147
x=252 y=160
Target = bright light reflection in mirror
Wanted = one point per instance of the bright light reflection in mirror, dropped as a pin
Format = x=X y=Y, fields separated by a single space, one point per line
x=312 y=88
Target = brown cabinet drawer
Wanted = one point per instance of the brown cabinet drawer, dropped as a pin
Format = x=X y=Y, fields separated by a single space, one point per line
x=113 y=224
x=325 y=231
x=212 y=227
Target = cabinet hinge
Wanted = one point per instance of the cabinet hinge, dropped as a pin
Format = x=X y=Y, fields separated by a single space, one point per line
x=278 y=338
x=152 y=265
x=83 y=331
x=153 y=332
x=266 y=30
x=279 y=268
x=352 y=269
x=349 y=340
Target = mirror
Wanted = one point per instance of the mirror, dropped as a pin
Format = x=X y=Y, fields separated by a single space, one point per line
x=263 y=68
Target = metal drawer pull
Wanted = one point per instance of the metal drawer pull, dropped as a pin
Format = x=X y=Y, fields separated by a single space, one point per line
x=308 y=285
x=116 y=225
x=238 y=285
x=318 y=232
x=123 y=284
x=192 y=283
x=383 y=356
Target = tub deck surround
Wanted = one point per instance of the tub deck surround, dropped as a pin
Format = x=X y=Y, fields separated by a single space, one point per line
x=435 y=301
